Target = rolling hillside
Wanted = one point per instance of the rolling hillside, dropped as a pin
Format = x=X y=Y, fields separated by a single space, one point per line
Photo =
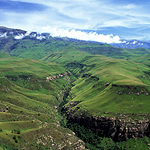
x=28 y=114
x=36 y=46
x=107 y=91
x=100 y=92
x=99 y=77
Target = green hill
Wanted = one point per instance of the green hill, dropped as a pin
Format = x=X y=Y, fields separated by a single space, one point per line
x=145 y=59
x=98 y=91
x=106 y=88
x=33 y=48
x=28 y=113
x=95 y=72
x=101 y=87
x=2 y=55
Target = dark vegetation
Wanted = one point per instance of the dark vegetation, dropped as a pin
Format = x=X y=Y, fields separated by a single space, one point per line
x=92 y=140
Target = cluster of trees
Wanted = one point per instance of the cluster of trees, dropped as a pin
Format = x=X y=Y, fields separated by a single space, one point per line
x=92 y=140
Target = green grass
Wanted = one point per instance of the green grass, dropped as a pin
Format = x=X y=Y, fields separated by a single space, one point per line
x=2 y=55
x=68 y=54
x=145 y=59
x=95 y=97
x=38 y=49
x=122 y=75
x=28 y=101
x=140 y=144
x=18 y=66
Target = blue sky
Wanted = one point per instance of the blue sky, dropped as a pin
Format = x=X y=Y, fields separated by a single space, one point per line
x=97 y=20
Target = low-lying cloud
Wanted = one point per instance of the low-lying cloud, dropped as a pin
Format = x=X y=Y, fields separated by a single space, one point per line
x=75 y=34
x=21 y=36
x=81 y=35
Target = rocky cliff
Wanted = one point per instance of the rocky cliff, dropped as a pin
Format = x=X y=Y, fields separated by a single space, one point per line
x=119 y=129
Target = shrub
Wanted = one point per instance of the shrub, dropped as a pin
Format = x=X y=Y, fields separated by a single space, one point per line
x=17 y=131
x=15 y=138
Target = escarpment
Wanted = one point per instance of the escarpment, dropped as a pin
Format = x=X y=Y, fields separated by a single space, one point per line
x=128 y=89
x=57 y=76
x=120 y=126
x=117 y=129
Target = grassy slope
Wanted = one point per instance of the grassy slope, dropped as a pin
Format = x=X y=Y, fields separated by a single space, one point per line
x=21 y=66
x=96 y=98
x=66 y=55
x=144 y=60
x=110 y=51
x=2 y=55
x=31 y=47
x=27 y=108
x=37 y=49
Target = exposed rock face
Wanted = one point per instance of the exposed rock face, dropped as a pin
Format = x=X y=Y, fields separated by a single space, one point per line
x=16 y=77
x=10 y=31
x=107 y=84
x=114 y=128
x=86 y=75
x=131 y=90
x=56 y=76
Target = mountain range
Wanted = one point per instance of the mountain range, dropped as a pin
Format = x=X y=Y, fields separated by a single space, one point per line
x=132 y=44
x=19 y=34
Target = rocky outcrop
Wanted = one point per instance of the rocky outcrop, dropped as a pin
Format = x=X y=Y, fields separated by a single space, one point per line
x=16 y=77
x=128 y=89
x=118 y=130
x=10 y=31
x=85 y=75
x=56 y=76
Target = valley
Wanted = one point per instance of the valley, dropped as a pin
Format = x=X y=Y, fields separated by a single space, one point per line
x=51 y=85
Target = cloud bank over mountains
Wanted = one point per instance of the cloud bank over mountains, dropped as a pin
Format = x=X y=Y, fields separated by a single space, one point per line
x=110 y=20
x=81 y=35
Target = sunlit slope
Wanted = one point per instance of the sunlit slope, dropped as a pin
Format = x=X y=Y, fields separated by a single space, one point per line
x=145 y=59
x=28 y=118
x=68 y=54
x=2 y=55
x=107 y=86
x=112 y=87
x=117 y=71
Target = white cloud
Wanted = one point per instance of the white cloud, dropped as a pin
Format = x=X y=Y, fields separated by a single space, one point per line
x=92 y=36
x=77 y=14
x=40 y=37
x=134 y=42
x=89 y=14
x=76 y=34
x=21 y=36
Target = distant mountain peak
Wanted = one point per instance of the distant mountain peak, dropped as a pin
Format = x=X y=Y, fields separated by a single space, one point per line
x=132 y=44
x=19 y=34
